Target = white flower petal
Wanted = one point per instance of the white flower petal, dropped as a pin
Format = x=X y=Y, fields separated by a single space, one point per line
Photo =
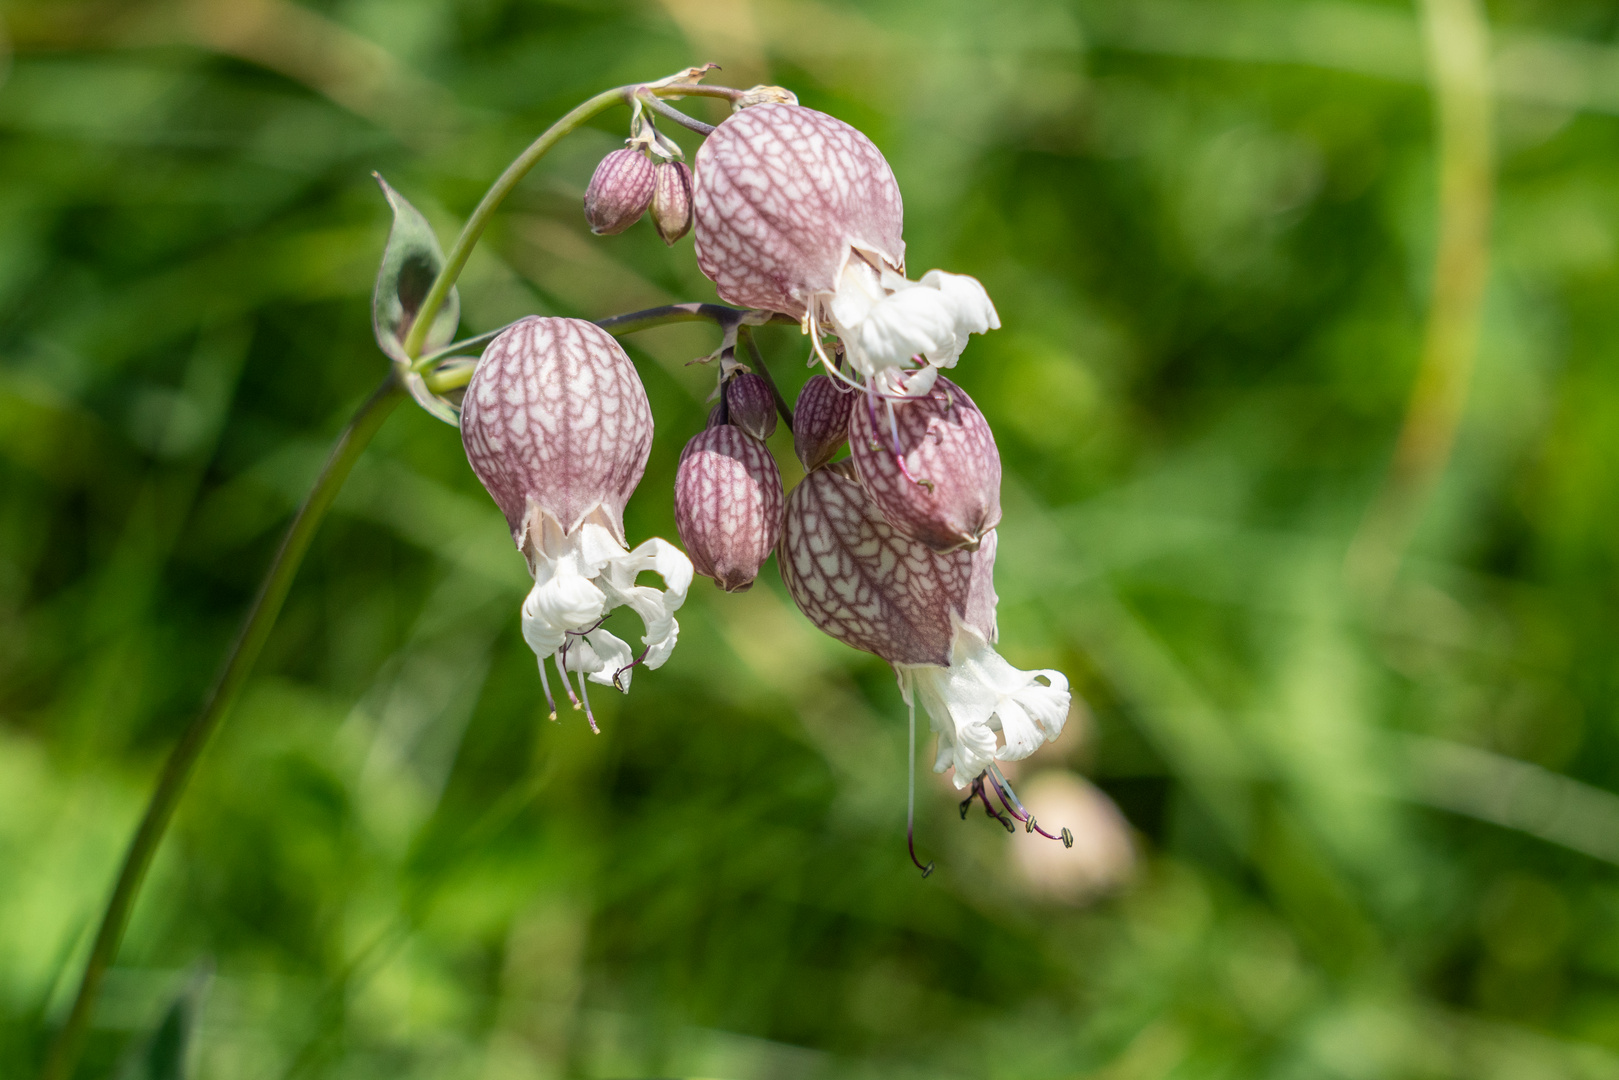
x=656 y=607
x=904 y=324
x=974 y=312
x=581 y=577
x=562 y=599
x=980 y=694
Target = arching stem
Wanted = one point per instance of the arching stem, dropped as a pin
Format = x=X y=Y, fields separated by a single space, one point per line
x=69 y=1042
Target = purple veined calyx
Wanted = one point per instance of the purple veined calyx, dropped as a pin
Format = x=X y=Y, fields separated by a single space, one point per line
x=620 y=191
x=728 y=505
x=557 y=427
x=930 y=464
x=671 y=200
x=798 y=212
x=821 y=420
x=749 y=404
x=931 y=615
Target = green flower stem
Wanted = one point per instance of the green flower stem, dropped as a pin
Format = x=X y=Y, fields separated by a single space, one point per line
x=745 y=335
x=514 y=173
x=69 y=1042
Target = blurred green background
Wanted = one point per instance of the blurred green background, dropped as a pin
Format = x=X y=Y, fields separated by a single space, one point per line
x=1372 y=831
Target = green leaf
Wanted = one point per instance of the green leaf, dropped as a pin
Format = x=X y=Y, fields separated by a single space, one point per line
x=410 y=262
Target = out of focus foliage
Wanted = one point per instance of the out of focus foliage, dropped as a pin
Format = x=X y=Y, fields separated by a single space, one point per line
x=1374 y=836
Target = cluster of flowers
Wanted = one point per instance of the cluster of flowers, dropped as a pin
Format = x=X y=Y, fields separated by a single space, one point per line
x=890 y=550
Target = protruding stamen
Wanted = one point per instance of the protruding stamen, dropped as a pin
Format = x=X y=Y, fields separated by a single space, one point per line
x=910 y=797
x=584 y=696
x=978 y=792
x=1003 y=788
x=618 y=675
x=562 y=670
x=545 y=684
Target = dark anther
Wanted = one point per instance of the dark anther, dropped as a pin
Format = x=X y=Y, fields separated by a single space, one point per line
x=966 y=805
x=1067 y=838
x=1029 y=825
x=926 y=870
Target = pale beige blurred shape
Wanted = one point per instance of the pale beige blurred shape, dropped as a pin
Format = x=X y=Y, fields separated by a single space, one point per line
x=1103 y=856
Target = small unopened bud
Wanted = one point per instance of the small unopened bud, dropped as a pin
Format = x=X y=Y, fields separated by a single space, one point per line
x=620 y=191
x=728 y=505
x=930 y=465
x=671 y=200
x=752 y=405
x=821 y=420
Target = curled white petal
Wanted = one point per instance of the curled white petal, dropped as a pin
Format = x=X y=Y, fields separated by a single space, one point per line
x=582 y=576
x=974 y=312
x=563 y=599
x=980 y=695
x=887 y=323
x=656 y=607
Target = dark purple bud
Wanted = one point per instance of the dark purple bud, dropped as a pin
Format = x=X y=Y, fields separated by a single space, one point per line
x=752 y=405
x=671 y=200
x=930 y=463
x=728 y=505
x=619 y=192
x=784 y=194
x=867 y=584
x=821 y=420
x=555 y=423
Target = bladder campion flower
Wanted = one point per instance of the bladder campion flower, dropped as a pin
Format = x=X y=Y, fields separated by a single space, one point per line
x=931 y=615
x=556 y=424
x=798 y=212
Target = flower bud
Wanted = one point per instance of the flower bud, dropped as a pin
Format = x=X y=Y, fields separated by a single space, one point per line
x=728 y=505
x=783 y=196
x=619 y=192
x=751 y=404
x=671 y=200
x=821 y=420
x=930 y=464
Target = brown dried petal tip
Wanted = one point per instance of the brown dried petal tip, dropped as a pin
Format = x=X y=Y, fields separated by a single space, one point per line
x=941 y=484
x=728 y=505
x=751 y=404
x=671 y=200
x=619 y=192
x=821 y=420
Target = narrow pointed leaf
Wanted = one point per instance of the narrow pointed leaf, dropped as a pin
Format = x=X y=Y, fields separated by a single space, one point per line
x=410 y=262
